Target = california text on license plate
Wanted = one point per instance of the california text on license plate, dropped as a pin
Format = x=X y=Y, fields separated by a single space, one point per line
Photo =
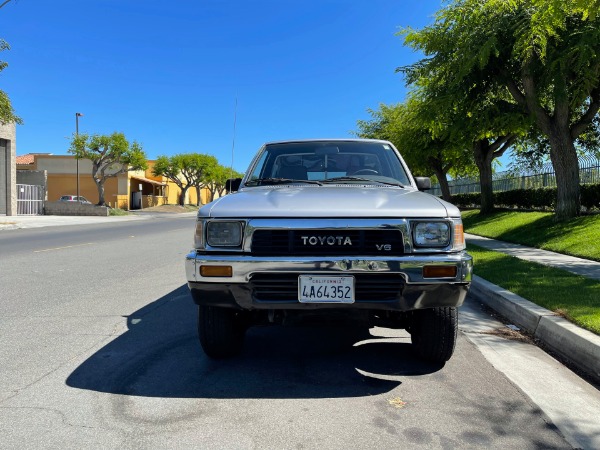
x=325 y=289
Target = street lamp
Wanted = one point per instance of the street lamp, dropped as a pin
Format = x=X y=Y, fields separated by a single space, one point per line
x=77 y=116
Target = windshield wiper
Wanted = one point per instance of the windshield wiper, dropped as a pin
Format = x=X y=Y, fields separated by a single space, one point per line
x=352 y=178
x=273 y=181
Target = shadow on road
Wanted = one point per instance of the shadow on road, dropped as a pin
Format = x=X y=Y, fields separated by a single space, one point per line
x=160 y=356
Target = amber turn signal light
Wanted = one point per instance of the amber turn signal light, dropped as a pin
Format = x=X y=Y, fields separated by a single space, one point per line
x=216 y=271
x=439 y=271
x=459 y=236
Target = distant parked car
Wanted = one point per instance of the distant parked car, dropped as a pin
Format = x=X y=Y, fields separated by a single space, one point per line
x=74 y=198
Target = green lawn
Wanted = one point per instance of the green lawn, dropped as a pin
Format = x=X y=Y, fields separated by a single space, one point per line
x=118 y=212
x=575 y=297
x=577 y=237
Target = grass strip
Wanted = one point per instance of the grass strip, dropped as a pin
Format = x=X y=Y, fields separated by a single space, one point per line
x=118 y=212
x=572 y=296
x=576 y=237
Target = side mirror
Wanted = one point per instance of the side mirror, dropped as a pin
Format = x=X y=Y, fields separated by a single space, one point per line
x=233 y=184
x=423 y=183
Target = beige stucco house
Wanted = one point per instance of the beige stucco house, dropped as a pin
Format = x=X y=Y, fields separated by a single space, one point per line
x=131 y=190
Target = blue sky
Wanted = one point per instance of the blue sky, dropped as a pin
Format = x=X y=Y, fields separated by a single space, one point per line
x=167 y=74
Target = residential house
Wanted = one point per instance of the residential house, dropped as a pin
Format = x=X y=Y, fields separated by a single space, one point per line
x=132 y=190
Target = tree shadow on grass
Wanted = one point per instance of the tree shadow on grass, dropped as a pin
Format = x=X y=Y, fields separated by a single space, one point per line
x=159 y=356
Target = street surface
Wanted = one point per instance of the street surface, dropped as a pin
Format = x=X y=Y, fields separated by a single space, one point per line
x=99 y=350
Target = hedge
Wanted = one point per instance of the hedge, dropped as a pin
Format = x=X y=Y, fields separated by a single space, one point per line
x=540 y=198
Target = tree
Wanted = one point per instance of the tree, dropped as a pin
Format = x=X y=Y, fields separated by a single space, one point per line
x=110 y=155
x=422 y=138
x=7 y=113
x=186 y=170
x=543 y=54
x=534 y=151
x=208 y=177
x=489 y=129
x=216 y=178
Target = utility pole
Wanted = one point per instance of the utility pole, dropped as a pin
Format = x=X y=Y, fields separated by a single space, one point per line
x=77 y=116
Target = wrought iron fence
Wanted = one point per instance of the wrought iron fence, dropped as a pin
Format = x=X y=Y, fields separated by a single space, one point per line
x=589 y=173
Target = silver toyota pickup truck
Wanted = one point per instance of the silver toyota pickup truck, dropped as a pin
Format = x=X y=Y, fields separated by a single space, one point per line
x=329 y=228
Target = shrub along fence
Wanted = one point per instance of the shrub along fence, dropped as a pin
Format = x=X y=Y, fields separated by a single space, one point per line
x=539 y=198
x=528 y=190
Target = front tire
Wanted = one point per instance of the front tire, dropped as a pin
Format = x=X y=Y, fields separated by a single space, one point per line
x=221 y=331
x=434 y=332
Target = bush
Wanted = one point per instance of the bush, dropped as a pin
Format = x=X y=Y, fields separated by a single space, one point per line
x=540 y=198
x=470 y=200
x=117 y=212
x=590 y=196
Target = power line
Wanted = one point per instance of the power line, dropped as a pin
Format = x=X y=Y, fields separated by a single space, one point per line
x=4 y=3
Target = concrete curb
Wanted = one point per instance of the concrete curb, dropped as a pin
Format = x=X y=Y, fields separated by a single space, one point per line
x=578 y=346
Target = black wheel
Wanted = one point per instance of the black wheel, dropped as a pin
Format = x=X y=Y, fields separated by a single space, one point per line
x=433 y=333
x=221 y=331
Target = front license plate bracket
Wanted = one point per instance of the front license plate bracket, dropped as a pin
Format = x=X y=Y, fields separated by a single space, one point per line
x=325 y=289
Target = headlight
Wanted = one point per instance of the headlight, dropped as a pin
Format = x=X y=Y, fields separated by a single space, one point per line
x=224 y=234
x=431 y=234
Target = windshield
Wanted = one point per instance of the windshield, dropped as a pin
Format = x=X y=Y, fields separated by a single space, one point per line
x=334 y=161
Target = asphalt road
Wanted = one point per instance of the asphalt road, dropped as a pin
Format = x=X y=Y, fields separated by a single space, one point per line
x=99 y=350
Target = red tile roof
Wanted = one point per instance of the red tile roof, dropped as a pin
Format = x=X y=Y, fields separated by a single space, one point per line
x=26 y=159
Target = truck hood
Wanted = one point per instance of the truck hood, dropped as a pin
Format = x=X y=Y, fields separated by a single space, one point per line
x=328 y=201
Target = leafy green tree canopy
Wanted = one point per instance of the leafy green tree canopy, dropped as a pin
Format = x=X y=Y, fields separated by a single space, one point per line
x=422 y=137
x=541 y=57
x=110 y=155
x=7 y=113
x=186 y=170
x=216 y=178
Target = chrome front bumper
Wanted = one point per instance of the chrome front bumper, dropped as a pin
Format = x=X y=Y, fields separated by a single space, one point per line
x=418 y=292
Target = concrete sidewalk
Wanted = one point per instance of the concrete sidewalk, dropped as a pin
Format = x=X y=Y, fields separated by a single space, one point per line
x=579 y=347
x=18 y=222
x=579 y=266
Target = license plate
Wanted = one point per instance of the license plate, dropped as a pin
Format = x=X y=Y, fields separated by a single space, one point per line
x=325 y=289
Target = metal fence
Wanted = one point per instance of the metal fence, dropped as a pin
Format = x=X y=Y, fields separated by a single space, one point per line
x=30 y=200
x=589 y=173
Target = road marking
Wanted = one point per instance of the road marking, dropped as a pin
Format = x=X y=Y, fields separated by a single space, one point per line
x=62 y=248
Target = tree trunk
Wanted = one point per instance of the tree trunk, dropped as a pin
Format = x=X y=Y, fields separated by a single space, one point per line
x=198 y=196
x=484 y=156
x=441 y=171
x=443 y=180
x=100 y=186
x=562 y=148
x=182 y=195
x=566 y=167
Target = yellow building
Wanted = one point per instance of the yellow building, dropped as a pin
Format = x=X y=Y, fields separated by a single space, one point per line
x=131 y=190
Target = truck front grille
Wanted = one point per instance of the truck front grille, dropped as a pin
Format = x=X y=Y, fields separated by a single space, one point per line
x=368 y=286
x=327 y=243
